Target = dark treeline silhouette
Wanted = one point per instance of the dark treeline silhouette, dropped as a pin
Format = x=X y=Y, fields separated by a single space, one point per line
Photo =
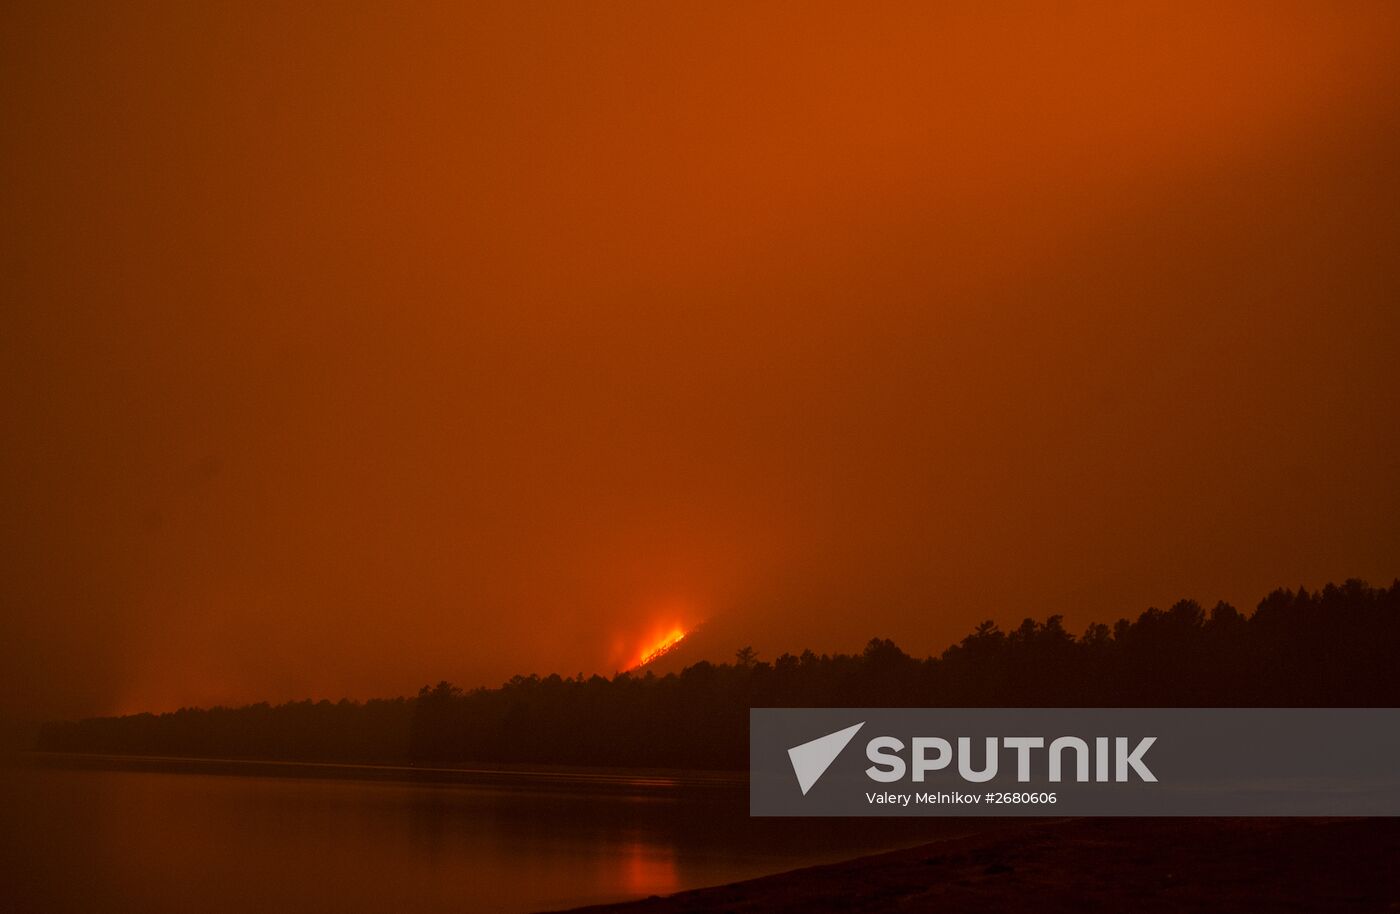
x=342 y=731
x=1335 y=647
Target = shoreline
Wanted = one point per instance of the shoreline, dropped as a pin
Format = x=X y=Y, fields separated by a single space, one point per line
x=502 y=773
x=1075 y=865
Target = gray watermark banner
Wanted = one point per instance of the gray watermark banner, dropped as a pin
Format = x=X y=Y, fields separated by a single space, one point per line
x=1074 y=761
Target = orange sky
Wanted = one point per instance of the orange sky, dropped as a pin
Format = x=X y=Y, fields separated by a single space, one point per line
x=351 y=347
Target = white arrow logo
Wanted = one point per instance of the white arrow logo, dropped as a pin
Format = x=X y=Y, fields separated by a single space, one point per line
x=810 y=760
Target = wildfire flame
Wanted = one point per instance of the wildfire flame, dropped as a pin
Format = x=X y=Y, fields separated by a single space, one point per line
x=661 y=646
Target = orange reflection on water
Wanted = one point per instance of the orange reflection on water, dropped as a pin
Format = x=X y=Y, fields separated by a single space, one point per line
x=648 y=869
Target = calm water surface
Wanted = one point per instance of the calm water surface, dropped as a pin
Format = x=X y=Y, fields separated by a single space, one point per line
x=117 y=835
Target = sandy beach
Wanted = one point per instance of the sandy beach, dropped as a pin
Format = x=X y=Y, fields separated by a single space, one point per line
x=1075 y=865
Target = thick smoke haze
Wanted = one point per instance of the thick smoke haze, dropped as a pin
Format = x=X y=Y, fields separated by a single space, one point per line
x=354 y=347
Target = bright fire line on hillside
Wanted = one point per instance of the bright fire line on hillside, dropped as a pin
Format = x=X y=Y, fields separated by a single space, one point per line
x=657 y=648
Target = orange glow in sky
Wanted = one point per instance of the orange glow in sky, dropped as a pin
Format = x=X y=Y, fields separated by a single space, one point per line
x=352 y=347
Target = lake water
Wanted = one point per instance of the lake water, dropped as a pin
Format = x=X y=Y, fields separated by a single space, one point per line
x=121 y=835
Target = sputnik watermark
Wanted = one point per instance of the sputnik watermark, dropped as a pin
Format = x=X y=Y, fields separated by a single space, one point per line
x=889 y=765
x=1089 y=761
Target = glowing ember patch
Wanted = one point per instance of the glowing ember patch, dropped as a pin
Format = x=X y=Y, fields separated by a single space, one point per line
x=662 y=646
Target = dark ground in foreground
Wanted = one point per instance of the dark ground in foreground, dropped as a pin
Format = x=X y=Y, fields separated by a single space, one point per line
x=1231 y=865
